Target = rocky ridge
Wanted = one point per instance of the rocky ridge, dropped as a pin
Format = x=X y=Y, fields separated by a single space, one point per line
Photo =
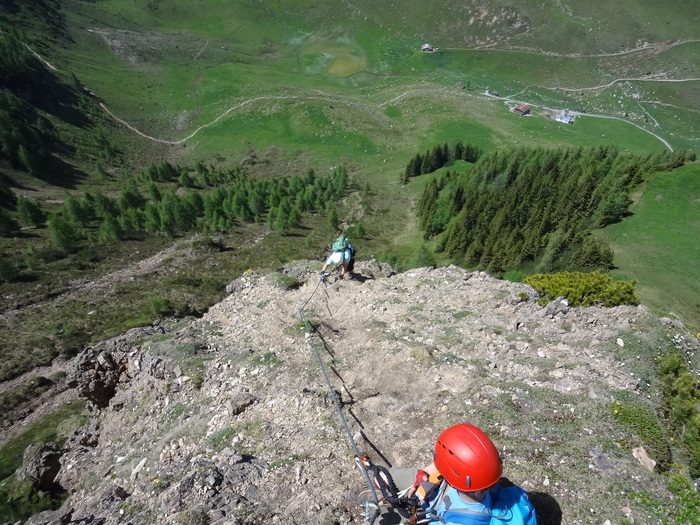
x=228 y=420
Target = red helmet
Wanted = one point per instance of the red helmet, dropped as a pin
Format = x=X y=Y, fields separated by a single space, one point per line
x=467 y=458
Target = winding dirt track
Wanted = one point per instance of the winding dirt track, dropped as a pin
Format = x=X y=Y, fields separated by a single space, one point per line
x=408 y=93
x=399 y=97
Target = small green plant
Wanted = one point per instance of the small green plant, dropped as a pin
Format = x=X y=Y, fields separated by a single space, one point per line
x=174 y=412
x=356 y=231
x=681 y=391
x=583 y=289
x=451 y=359
x=159 y=306
x=281 y=280
x=43 y=430
x=643 y=423
x=131 y=509
x=162 y=483
x=267 y=359
x=683 y=509
x=16 y=396
x=242 y=513
x=283 y=462
x=515 y=276
x=20 y=499
x=196 y=380
x=222 y=437
x=8 y=271
x=420 y=354
x=193 y=517
x=301 y=327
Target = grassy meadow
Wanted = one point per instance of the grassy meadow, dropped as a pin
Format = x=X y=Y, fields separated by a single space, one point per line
x=658 y=245
x=184 y=67
x=287 y=86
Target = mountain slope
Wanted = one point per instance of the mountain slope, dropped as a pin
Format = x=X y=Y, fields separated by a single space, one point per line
x=228 y=420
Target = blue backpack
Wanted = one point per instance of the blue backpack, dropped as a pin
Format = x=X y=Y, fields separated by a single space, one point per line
x=511 y=506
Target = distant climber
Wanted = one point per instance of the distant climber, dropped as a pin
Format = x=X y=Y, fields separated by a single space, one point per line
x=342 y=255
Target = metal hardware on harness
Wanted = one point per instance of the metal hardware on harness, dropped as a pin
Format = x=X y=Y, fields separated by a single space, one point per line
x=408 y=508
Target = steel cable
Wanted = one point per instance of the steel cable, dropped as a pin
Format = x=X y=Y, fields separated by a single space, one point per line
x=312 y=342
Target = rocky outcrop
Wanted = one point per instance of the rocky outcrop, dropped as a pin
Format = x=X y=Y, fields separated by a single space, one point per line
x=40 y=465
x=96 y=372
x=228 y=419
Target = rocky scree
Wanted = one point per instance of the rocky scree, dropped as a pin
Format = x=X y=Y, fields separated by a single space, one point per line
x=226 y=419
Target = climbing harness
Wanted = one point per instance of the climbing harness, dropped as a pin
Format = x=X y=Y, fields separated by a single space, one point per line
x=408 y=508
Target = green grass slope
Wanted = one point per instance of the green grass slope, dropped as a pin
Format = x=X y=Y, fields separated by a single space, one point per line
x=171 y=68
x=658 y=244
x=290 y=85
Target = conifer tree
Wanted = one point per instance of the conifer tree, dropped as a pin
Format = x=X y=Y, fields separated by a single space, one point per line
x=457 y=152
x=73 y=210
x=339 y=181
x=310 y=177
x=414 y=167
x=426 y=165
x=282 y=217
x=423 y=258
x=196 y=202
x=110 y=230
x=426 y=207
x=333 y=220
x=8 y=225
x=29 y=212
x=294 y=217
x=131 y=223
x=593 y=255
x=186 y=180
x=471 y=153
x=168 y=211
x=441 y=156
x=614 y=208
x=318 y=203
x=62 y=233
x=8 y=270
x=29 y=160
x=152 y=218
x=185 y=214
x=474 y=253
x=130 y=197
x=106 y=206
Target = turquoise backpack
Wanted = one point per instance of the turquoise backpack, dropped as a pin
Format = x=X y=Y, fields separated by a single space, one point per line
x=340 y=244
x=511 y=506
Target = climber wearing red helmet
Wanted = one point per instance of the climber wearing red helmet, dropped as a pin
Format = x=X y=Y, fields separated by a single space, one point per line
x=471 y=467
x=467 y=458
x=463 y=484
